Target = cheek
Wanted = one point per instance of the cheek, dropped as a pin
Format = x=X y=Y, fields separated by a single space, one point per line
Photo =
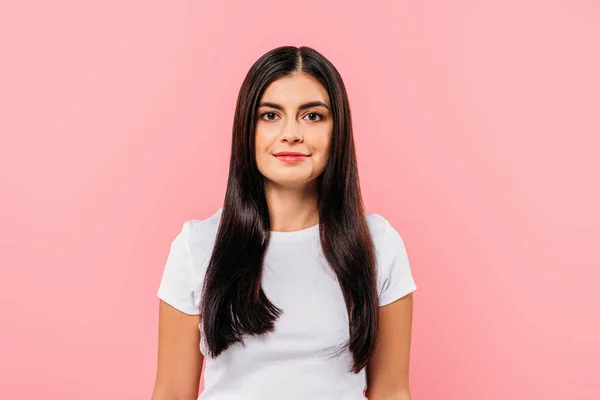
x=264 y=136
x=261 y=140
x=322 y=143
x=263 y=143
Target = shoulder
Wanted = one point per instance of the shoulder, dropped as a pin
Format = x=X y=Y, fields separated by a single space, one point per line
x=386 y=238
x=200 y=235
x=380 y=228
x=376 y=221
x=184 y=270
x=203 y=229
x=394 y=275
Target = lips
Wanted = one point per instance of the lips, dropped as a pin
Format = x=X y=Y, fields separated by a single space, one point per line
x=291 y=157
x=290 y=154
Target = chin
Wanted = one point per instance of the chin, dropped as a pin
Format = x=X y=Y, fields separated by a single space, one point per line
x=287 y=182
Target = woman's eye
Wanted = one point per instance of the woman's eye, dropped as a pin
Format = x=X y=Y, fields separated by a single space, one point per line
x=315 y=115
x=270 y=116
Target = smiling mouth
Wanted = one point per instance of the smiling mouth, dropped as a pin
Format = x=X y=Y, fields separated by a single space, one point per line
x=291 y=157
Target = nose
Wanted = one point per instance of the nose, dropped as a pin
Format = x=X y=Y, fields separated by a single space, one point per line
x=291 y=132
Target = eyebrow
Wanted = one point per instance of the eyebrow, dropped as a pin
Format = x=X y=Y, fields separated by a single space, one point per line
x=302 y=106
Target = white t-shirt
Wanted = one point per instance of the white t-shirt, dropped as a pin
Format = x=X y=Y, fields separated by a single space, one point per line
x=296 y=361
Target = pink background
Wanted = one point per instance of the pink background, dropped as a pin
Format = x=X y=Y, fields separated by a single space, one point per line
x=477 y=127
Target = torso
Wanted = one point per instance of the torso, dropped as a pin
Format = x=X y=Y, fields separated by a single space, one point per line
x=297 y=360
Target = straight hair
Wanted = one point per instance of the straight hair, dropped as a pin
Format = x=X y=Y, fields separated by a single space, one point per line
x=233 y=302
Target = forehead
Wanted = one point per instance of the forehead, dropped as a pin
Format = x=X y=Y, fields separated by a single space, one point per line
x=294 y=90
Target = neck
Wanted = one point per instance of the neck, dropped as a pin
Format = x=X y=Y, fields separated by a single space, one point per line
x=292 y=208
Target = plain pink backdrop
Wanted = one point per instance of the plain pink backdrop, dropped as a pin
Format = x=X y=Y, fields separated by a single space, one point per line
x=477 y=128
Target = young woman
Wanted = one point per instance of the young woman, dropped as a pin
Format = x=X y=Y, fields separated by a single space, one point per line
x=290 y=290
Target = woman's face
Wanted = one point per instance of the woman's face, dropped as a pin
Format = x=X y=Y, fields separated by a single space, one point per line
x=294 y=115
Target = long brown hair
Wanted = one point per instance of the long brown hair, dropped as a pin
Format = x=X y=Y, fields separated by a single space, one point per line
x=233 y=302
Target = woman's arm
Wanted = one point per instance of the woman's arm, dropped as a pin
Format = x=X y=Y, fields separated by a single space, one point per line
x=179 y=358
x=387 y=370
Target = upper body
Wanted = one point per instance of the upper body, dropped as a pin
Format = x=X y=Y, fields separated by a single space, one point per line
x=290 y=290
x=297 y=360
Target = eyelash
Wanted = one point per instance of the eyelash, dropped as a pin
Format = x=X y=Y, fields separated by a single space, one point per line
x=271 y=112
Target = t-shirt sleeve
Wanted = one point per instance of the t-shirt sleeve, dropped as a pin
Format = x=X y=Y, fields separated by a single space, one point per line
x=178 y=284
x=395 y=280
